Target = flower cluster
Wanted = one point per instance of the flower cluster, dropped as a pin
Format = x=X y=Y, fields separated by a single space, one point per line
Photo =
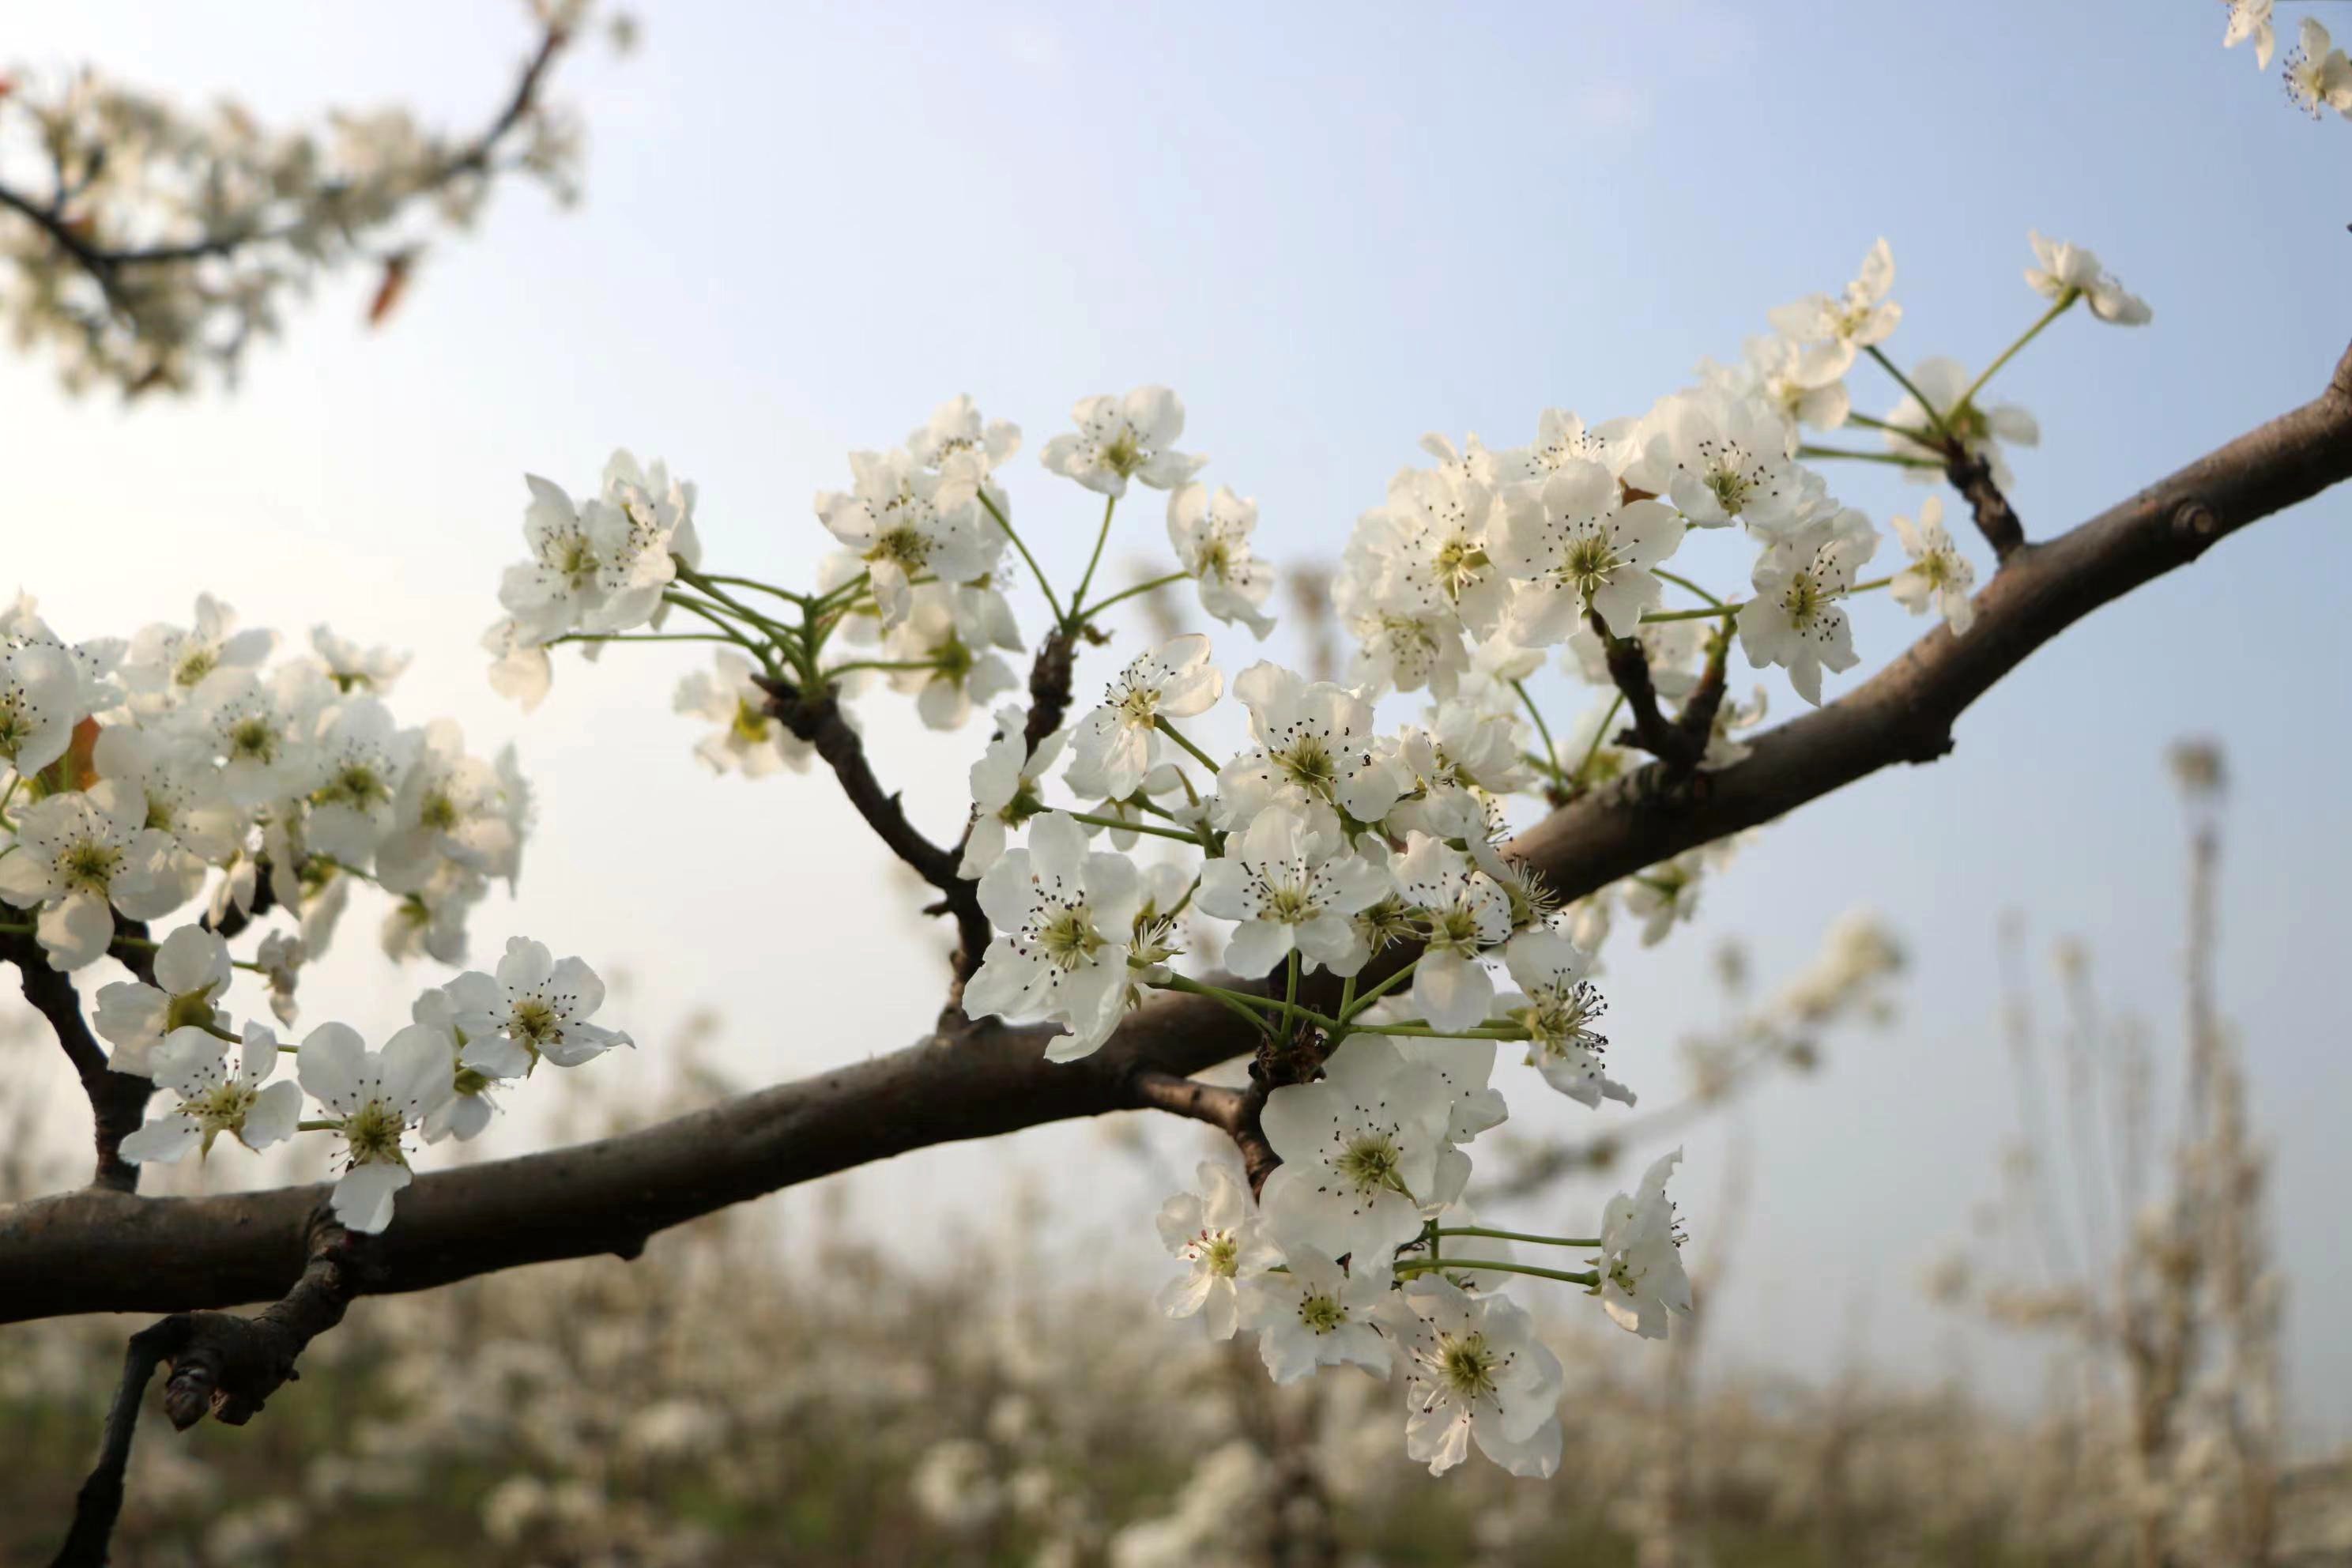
x=1351 y=866
x=186 y=771
x=2318 y=75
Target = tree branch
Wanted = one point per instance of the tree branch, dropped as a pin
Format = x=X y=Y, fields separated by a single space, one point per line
x=117 y=1102
x=98 y=1250
x=1996 y=519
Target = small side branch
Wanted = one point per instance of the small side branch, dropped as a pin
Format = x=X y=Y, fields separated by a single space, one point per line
x=117 y=1102
x=1629 y=667
x=222 y=1365
x=1996 y=519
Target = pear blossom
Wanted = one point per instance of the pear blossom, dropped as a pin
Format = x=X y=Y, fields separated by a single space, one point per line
x=1217 y=1234
x=657 y=506
x=39 y=706
x=1577 y=551
x=1004 y=787
x=1405 y=638
x=1717 y=457
x=965 y=449
x=1474 y=1371
x=2318 y=75
x=378 y=1097
x=1317 y=1314
x=356 y=668
x=894 y=521
x=1770 y=368
x=2252 y=19
x=80 y=857
x=1314 y=746
x=1561 y=439
x=357 y=764
x=215 y=1096
x=450 y=808
x=593 y=566
x=1831 y=330
x=1640 y=1261
x=1724 y=748
x=954 y=675
x=749 y=738
x=2063 y=270
x=1472 y=1105
x=179 y=784
x=1795 y=618
x=1938 y=573
x=263 y=728
x=467 y=1110
x=534 y=1008
x=1292 y=884
x=1118 y=742
x=192 y=969
x=519 y=670
x=281 y=957
x=1558 y=1005
x=1063 y=917
x=1119 y=440
x=94 y=662
x=1211 y=537
x=1359 y=1147
x=1466 y=913
x=165 y=663
x=1465 y=761
x=1981 y=429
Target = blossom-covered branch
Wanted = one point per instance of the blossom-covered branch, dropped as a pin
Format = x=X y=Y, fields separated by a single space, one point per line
x=159 y=244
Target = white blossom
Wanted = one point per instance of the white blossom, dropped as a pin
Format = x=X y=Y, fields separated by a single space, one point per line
x=80 y=857
x=1359 y=1147
x=378 y=1098
x=192 y=969
x=748 y=737
x=1831 y=330
x=1474 y=1371
x=2062 y=271
x=1314 y=747
x=1119 y=438
x=1217 y=1233
x=1004 y=787
x=2318 y=75
x=1293 y=885
x=1466 y=913
x=1211 y=537
x=1938 y=573
x=1795 y=618
x=215 y=1096
x=1317 y=1314
x=1718 y=458
x=2252 y=19
x=895 y=521
x=1117 y=743
x=1576 y=550
x=1640 y=1261
x=39 y=706
x=534 y=1008
x=1063 y=917
x=1558 y=1005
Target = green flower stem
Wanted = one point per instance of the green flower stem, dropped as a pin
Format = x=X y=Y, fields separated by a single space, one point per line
x=217 y=1033
x=710 y=587
x=639 y=636
x=1176 y=735
x=1687 y=584
x=1376 y=992
x=1102 y=537
x=1925 y=438
x=1235 y=1000
x=879 y=664
x=1584 y=764
x=1290 y=993
x=1934 y=418
x=1551 y=757
x=753 y=583
x=1423 y=1032
x=1520 y=1235
x=1157 y=832
x=734 y=633
x=318 y=1125
x=2064 y=303
x=1099 y=606
x=1874 y=583
x=1044 y=587
x=1895 y=459
x=1347 y=995
x=1654 y=617
x=1431 y=1265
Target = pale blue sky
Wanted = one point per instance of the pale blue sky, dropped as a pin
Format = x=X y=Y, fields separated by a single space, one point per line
x=1331 y=229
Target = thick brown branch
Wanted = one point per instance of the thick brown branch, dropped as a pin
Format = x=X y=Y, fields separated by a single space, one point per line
x=117 y=1102
x=99 y=1251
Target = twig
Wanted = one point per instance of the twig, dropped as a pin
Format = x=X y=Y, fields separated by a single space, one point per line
x=117 y=1102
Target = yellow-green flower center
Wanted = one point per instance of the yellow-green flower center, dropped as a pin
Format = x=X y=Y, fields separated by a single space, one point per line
x=1468 y=1366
